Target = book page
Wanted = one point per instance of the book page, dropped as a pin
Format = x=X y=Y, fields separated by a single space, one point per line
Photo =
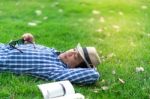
x=56 y=89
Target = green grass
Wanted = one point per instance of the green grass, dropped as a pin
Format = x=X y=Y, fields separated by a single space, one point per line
x=123 y=42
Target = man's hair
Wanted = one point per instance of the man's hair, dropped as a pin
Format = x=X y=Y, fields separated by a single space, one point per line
x=82 y=65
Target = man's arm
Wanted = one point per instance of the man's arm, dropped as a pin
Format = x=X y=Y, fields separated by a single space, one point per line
x=79 y=75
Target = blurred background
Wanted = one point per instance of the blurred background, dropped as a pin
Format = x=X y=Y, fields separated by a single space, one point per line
x=119 y=29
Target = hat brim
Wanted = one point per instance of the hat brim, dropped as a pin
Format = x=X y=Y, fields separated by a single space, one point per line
x=80 y=50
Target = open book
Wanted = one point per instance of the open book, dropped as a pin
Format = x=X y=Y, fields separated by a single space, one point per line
x=59 y=90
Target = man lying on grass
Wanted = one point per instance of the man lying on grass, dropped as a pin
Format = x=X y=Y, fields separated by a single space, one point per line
x=78 y=65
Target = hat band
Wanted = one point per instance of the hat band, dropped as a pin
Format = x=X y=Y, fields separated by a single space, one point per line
x=87 y=56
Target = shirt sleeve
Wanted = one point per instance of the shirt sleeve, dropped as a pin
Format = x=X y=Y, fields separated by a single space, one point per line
x=77 y=75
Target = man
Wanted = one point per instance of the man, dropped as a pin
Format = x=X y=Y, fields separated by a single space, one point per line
x=77 y=65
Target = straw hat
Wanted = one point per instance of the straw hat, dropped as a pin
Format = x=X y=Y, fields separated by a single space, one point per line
x=89 y=55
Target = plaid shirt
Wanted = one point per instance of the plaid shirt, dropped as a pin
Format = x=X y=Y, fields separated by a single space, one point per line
x=42 y=62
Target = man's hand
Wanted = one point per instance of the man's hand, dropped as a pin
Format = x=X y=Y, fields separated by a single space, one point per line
x=28 y=38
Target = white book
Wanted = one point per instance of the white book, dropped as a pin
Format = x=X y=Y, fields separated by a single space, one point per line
x=59 y=90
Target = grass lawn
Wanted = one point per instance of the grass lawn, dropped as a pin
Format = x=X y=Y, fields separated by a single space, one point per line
x=119 y=29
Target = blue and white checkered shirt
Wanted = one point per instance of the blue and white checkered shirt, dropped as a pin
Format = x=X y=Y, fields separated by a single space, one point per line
x=42 y=62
